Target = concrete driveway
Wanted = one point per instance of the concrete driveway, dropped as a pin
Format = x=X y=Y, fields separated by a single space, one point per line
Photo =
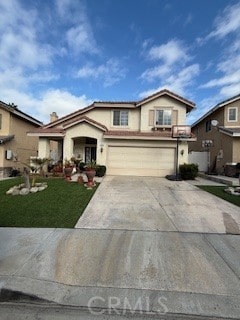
x=147 y=269
x=146 y=203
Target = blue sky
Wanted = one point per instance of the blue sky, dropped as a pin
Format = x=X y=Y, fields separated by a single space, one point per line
x=60 y=55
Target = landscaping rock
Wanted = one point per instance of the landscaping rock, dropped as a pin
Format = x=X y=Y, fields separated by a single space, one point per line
x=15 y=192
x=42 y=188
x=24 y=191
x=233 y=191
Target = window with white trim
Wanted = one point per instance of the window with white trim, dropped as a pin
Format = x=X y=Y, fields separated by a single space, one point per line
x=163 y=117
x=232 y=114
x=120 y=117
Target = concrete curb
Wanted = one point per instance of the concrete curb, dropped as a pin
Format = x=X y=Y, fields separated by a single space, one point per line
x=147 y=302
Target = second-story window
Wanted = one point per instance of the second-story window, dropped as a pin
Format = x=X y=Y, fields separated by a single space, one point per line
x=163 y=117
x=120 y=118
x=0 y=121
x=208 y=125
x=232 y=114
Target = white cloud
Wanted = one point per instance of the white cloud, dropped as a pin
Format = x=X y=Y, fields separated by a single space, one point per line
x=172 y=56
x=81 y=40
x=19 y=45
x=230 y=90
x=173 y=70
x=226 y=23
x=79 y=35
x=178 y=82
x=222 y=81
x=170 y=52
x=60 y=101
x=110 y=72
x=227 y=76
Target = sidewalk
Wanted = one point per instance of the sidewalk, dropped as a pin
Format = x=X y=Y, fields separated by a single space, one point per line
x=220 y=179
x=170 y=274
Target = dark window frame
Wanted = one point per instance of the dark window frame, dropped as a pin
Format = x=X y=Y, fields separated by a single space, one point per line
x=120 y=118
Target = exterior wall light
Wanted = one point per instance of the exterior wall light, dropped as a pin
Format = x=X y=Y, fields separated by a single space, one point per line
x=101 y=148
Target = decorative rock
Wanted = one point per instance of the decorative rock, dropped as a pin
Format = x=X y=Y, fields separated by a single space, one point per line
x=42 y=188
x=15 y=192
x=24 y=191
x=233 y=191
x=38 y=184
x=10 y=191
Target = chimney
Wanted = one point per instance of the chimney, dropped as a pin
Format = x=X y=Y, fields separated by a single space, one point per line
x=53 y=116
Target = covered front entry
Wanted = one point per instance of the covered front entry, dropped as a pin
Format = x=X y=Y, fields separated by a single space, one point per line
x=140 y=161
x=85 y=148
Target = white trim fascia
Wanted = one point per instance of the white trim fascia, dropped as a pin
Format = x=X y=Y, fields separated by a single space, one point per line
x=233 y=134
x=45 y=134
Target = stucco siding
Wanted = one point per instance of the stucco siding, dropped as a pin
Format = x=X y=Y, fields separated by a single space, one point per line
x=83 y=130
x=5 y=125
x=22 y=146
x=105 y=117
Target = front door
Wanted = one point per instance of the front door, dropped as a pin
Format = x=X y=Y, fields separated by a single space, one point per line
x=90 y=154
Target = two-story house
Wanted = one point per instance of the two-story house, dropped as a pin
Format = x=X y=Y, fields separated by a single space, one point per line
x=130 y=138
x=15 y=147
x=218 y=133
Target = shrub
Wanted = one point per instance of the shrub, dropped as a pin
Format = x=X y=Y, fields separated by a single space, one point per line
x=100 y=171
x=188 y=171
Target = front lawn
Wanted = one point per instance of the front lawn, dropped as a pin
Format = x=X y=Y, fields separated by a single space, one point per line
x=219 y=192
x=58 y=206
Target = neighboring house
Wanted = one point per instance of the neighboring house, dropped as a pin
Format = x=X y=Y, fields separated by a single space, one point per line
x=221 y=138
x=15 y=146
x=130 y=138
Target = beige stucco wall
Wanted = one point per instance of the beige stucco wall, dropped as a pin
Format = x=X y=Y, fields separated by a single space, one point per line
x=105 y=117
x=5 y=126
x=22 y=146
x=162 y=102
x=83 y=130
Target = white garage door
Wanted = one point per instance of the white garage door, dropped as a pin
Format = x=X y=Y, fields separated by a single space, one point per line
x=140 y=161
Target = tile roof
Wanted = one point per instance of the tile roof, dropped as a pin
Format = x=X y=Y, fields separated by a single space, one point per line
x=156 y=134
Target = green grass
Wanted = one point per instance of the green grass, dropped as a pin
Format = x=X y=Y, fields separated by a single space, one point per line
x=219 y=192
x=58 y=206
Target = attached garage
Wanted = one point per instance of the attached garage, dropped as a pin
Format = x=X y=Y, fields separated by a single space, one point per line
x=140 y=161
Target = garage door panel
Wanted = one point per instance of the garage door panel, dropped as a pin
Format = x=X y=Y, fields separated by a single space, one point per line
x=140 y=161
